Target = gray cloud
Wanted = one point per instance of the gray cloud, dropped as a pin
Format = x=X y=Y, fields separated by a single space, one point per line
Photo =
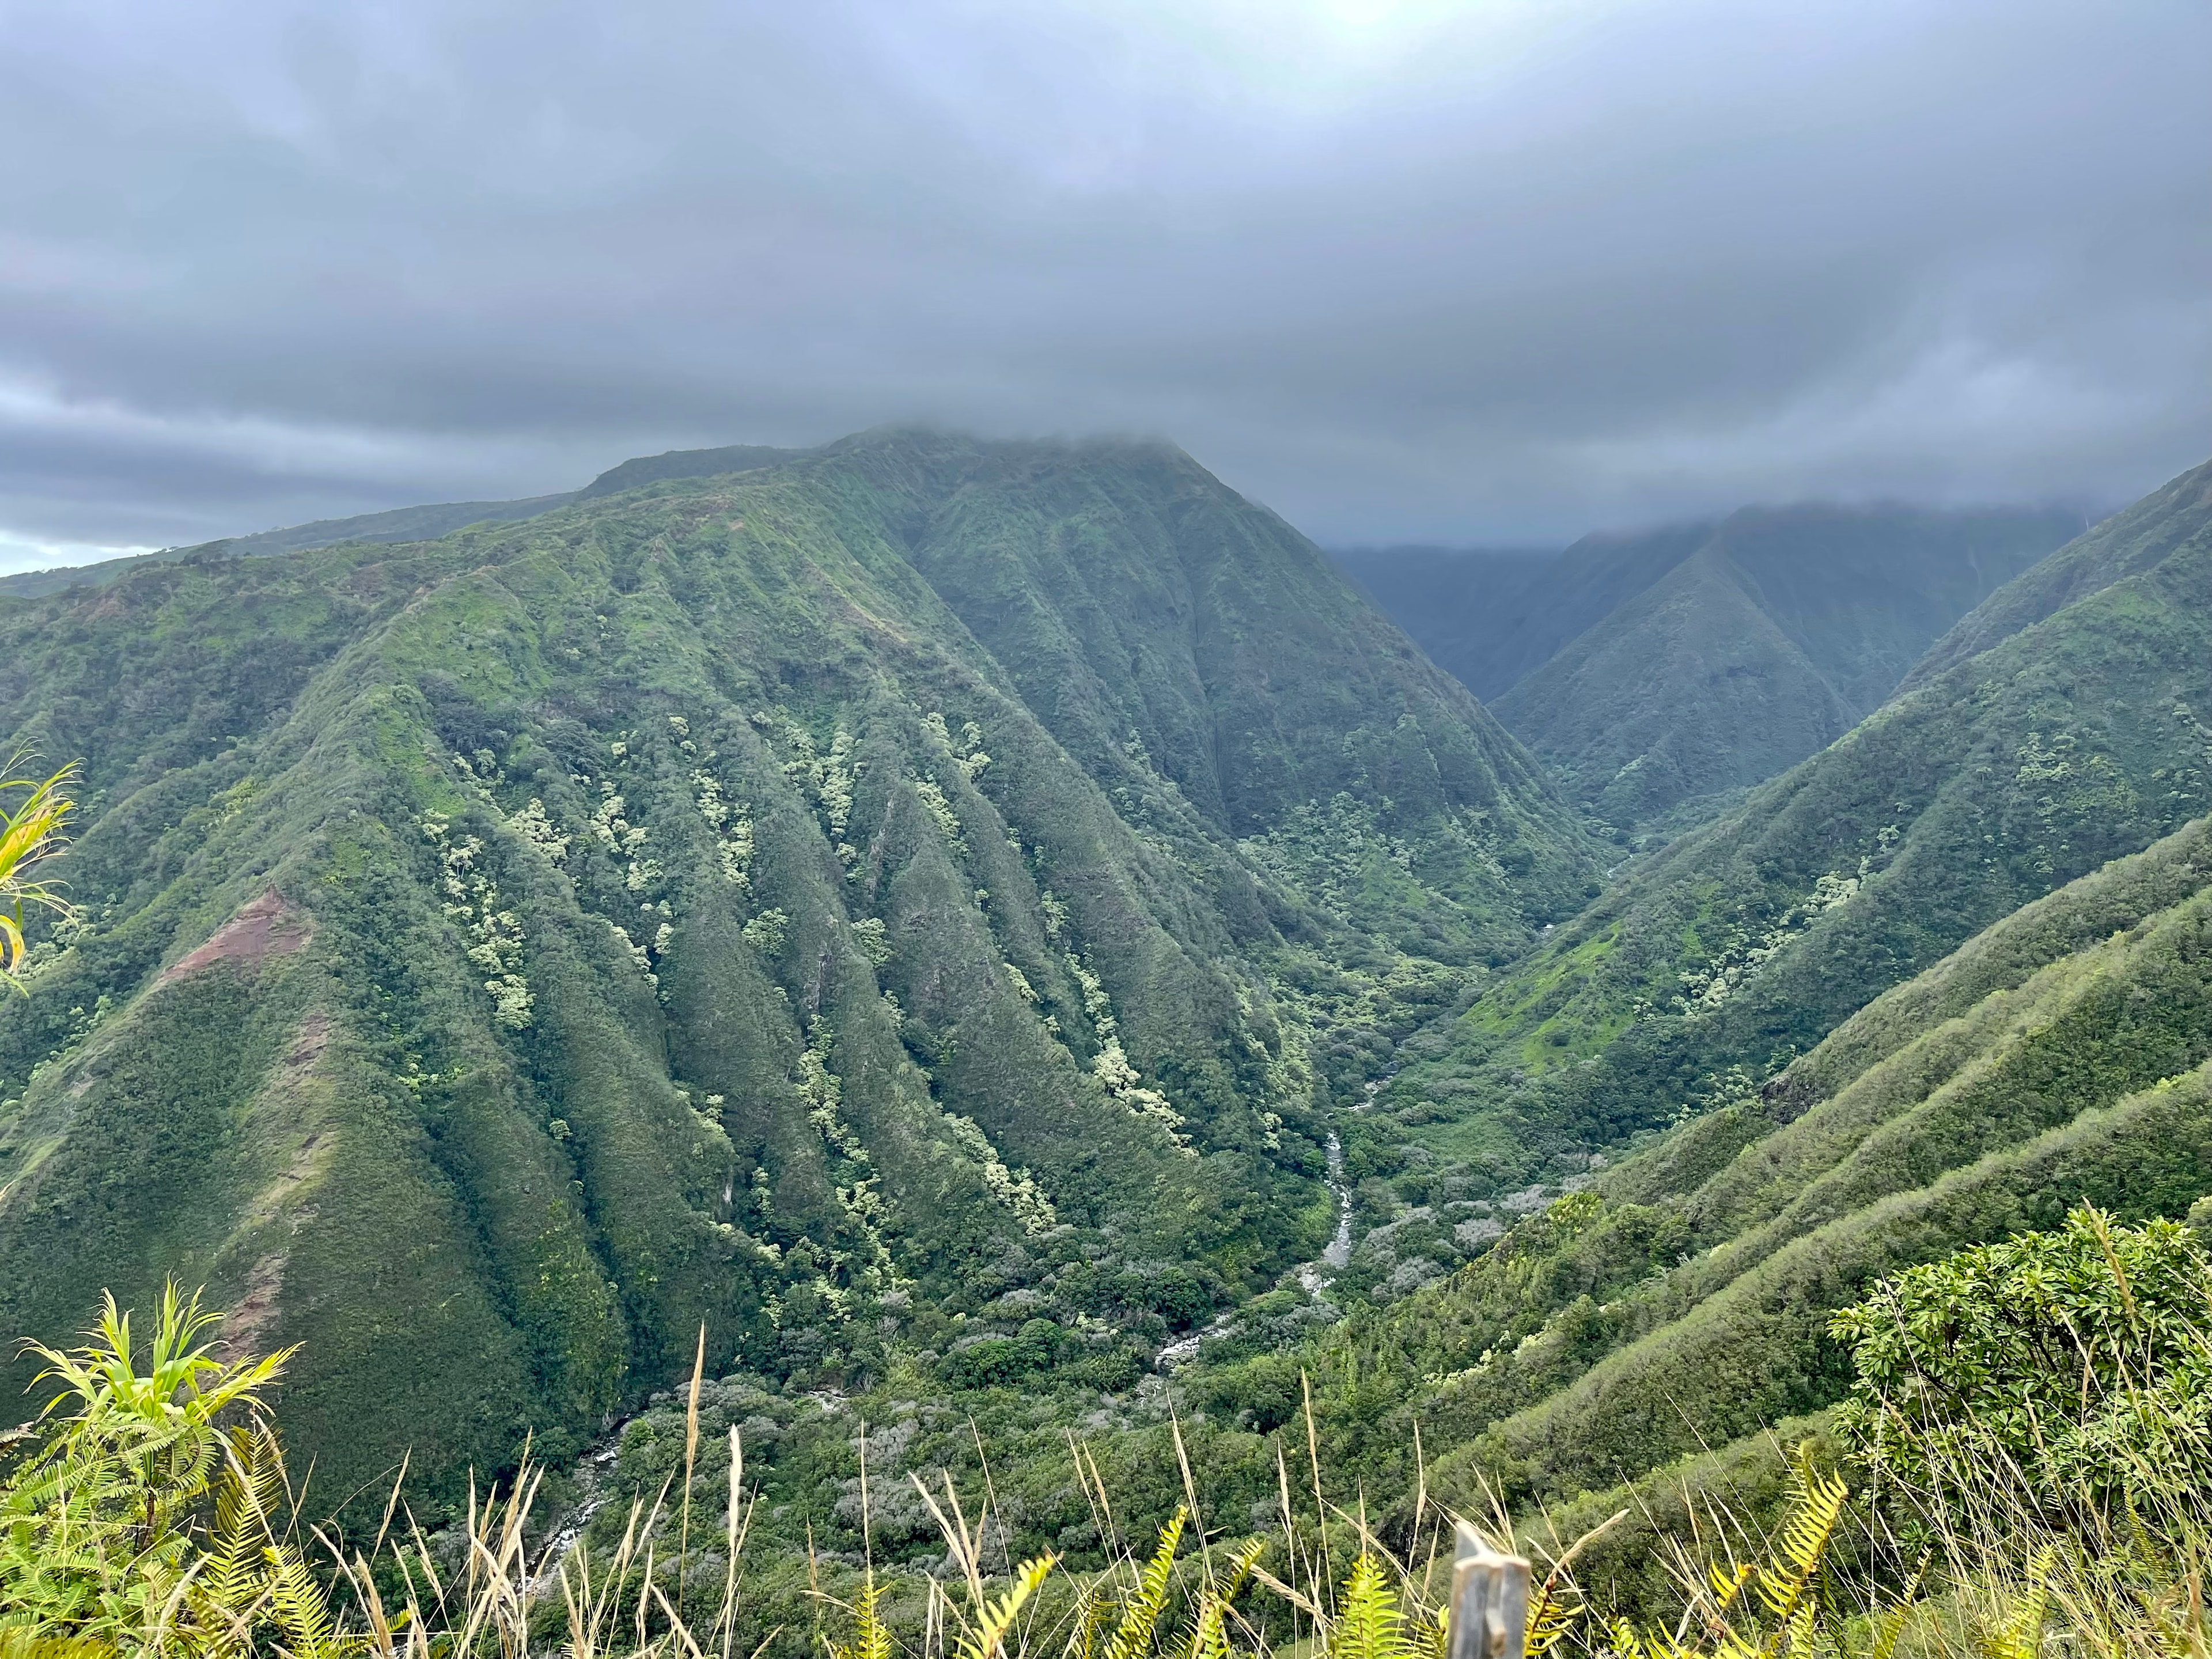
x=1400 y=269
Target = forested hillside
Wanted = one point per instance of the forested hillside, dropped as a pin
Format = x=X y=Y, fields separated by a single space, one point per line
x=2072 y=742
x=1679 y=1303
x=1492 y=617
x=815 y=903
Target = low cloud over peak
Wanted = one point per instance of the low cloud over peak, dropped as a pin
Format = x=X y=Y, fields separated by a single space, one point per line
x=1401 y=271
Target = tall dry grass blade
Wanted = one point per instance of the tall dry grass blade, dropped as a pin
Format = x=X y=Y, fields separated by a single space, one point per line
x=735 y=1528
x=690 y=1457
x=1190 y=1487
x=1323 y=1578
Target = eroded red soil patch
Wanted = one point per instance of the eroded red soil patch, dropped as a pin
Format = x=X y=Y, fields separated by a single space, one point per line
x=267 y=928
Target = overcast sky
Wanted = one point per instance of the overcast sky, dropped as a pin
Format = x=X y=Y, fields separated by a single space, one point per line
x=1484 y=272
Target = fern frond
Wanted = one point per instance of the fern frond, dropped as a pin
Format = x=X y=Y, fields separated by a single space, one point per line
x=1888 y=1627
x=1093 y=1608
x=1141 y=1614
x=987 y=1640
x=30 y=1644
x=1208 y=1638
x=871 y=1637
x=1369 y=1623
x=2019 y=1636
x=1551 y=1615
x=303 y=1615
x=1803 y=1549
x=1728 y=1582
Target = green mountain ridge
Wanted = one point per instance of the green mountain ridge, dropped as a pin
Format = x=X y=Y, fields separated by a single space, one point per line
x=1782 y=631
x=805 y=902
x=2074 y=741
x=1490 y=618
x=1676 y=1308
x=2125 y=544
x=408 y=523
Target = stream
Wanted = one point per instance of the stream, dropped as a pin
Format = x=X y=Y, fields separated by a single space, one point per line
x=1338 y=1252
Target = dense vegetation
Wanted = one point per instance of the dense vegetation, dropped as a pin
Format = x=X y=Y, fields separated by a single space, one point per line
x=865 y=906
x=1698 y=976
x=2029 y=1419
x=991 y=963
x=1679 y=1303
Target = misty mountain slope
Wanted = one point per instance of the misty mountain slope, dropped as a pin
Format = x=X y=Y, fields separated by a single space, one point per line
x=1689 y=690
x=2131 y=541
x=1489 y=619
x=404 y=523
x=687 y=463
x=504 y=954
x=2077 y=740
x=1782 y=630
x=409 y=524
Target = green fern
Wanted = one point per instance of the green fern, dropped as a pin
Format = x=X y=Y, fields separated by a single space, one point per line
x=1141 y=1614
x=1208 y=1637
x=871 y=1637
x=1761 y=1609
x=987 y=1638
x=1369 y=1623
x=2018 y=1634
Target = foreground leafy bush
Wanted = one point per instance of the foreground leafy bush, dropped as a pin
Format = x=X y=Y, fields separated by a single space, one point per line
x=2070 y=1370
x=107 y=1535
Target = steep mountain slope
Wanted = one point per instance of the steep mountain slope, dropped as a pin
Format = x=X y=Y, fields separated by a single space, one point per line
x=2135 y=540
x=2076 y=740
x=1679 y=1303
x=1782 y=630
x=402 y=524
x=503 y=955
x=1656 y=673
x=1490 y=618
x=409 y=524
x=687 y=464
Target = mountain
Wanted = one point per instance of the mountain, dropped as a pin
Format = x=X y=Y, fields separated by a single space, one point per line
x=1778 y=635
x=2076 y=740
x=815 y=902
x=409 y=524
x=1935 y=985
x=1491 y=616
x=689 y=463
x=1655 y=1326
x=404 y=523
x=2135 y=540
x=1656 y=675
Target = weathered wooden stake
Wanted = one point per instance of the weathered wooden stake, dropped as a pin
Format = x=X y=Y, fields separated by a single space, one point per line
x=1489 y=1602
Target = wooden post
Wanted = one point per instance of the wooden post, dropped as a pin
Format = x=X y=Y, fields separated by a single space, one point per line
x=1489 y=1601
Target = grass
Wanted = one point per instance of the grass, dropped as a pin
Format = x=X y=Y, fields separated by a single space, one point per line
x=150 y=1512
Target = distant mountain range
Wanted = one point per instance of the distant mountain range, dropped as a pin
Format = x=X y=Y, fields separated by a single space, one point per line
x=1659 y=674
x=409 y=524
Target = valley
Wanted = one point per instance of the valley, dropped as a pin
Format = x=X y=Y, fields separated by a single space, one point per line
x=1001 y=941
